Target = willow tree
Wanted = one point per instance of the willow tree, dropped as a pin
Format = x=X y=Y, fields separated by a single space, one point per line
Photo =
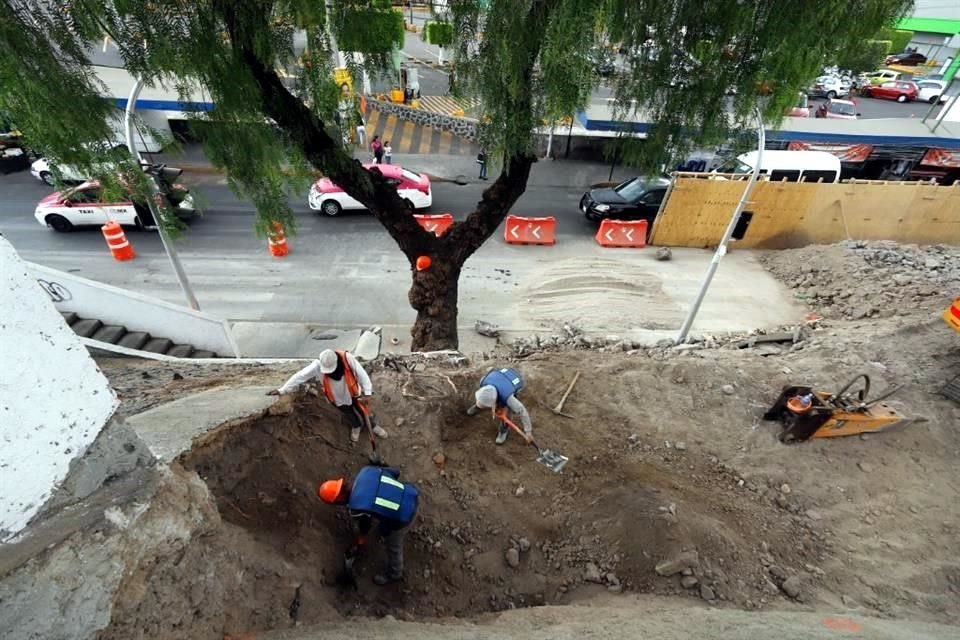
x=526 y=60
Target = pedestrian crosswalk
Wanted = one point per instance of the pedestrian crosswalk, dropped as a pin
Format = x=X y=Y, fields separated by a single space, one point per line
x=408 y=138
x=448 y=106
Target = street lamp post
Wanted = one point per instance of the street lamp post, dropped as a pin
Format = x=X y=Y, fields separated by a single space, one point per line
x=151 y=201
x=734 y=219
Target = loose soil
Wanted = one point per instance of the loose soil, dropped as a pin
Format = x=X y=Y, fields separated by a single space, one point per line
x=663 y=459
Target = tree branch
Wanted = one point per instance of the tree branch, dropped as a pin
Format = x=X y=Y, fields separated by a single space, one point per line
x=307 y=131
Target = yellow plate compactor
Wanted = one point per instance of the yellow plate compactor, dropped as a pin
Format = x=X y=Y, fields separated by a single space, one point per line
x=806 y=413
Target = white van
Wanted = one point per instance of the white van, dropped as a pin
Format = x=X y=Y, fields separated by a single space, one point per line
x=791 y=166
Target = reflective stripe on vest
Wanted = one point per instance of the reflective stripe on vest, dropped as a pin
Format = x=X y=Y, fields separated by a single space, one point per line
x=353 y=387
x=387 y=504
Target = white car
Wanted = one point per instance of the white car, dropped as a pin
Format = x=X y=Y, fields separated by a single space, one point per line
x=84 y=205
x=829 y=87
x=42 y=170
x=931 y=91
x=330 y=199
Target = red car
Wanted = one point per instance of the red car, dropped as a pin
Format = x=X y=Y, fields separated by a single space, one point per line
x=901 y=91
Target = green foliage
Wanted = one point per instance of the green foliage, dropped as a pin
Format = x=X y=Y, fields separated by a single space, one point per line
x=899 y=38
x=367 y=26
x=866 y=57
x=439 y=33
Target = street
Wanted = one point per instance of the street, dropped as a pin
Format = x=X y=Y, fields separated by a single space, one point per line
x=346 y=272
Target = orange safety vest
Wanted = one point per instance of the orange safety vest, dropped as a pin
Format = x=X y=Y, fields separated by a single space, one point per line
x=352 y=385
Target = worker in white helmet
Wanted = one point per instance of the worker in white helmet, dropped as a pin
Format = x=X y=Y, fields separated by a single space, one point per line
x=498 y=392
x=345 y=384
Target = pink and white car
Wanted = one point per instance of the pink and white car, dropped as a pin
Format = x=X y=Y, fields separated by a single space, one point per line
x=330 y=199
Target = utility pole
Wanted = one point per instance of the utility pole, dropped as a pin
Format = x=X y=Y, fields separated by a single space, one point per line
x=734 y=219
x=152 y=202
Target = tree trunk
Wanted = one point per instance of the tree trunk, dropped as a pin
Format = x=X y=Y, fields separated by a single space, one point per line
x=434 y=295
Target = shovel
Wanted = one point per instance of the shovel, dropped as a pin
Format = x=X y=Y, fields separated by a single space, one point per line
x=374 y=454
x=552 y=460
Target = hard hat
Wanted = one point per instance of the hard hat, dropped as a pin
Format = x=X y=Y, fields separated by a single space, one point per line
x=329 y=491
x=328 y=361
x=423 y=263
x=486 y=397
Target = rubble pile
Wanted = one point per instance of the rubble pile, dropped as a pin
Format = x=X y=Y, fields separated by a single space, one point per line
x=857 y=279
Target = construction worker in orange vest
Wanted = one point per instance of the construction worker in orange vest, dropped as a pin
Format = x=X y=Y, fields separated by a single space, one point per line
x=345 y=384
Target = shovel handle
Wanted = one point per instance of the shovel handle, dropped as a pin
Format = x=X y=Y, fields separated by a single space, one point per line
x=502 y=415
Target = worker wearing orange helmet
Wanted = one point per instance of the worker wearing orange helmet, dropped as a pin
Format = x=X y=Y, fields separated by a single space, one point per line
x=345 y=384
x=377 y=492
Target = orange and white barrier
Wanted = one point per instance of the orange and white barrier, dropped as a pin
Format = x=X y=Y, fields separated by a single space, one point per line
x=435 y=224
x=116 y=239
x=520 y=230
x=277 y=241
x=952 y=315
x=622 y=233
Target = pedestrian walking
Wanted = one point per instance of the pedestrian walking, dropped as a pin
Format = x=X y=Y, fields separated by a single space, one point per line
x=345 y=384
x=482 y=161
x=377 y=493
x=387 y=152
x=377 y=148
x=498 y=392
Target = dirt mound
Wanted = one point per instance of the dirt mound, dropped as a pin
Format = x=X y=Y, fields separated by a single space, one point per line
x=859 y=279
x=496 y=531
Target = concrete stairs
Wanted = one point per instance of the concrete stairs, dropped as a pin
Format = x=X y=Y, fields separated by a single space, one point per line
x=139 y=340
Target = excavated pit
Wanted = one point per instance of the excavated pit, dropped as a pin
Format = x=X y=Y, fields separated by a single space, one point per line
x=623 y=504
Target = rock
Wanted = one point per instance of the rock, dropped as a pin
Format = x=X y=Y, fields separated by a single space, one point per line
x=612 y=579
x=791 y=586
x=707 y=593
x=785 y=489
x=675 y=565
x=866 y=467
x=520 y=491
x=777 y=572
x=282 y=407
x=177 y=376
x=512 y=556
x=591 y=573
x=728 y=389
x=399 y=422
x=486 y=329
x=813 y=515
x=615 y=588
x=689 y=582
x=680 y=446
x=663 y=254
x=932 y=263
x=524 y=545
x=687 y=572
x=439 y=459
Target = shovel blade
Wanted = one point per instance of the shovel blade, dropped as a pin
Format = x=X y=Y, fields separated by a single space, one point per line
x=552 y=460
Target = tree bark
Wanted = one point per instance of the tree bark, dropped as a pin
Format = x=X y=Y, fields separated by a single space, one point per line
x=434 y=295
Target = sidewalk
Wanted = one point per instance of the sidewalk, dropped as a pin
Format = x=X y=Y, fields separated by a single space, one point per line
x=446 y=168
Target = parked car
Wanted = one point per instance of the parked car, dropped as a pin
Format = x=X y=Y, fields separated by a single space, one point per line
x=829 y=87
x=837 y=110
x=85 y=205
x=331 y=200
x=906 y=59
x=931 y=91
x=636 y=199
x=901 y=91
x=879 y=77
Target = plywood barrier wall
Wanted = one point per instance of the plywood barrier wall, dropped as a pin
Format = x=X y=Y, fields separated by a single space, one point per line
x=791 y=214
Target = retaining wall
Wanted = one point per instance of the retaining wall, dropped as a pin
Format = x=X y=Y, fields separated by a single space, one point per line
x=463 y=127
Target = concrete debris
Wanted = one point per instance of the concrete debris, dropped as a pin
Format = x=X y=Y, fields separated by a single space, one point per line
x=857 y=284
x=663 y=254
x=512 y=556
x=675 y=565
x=485 y=328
